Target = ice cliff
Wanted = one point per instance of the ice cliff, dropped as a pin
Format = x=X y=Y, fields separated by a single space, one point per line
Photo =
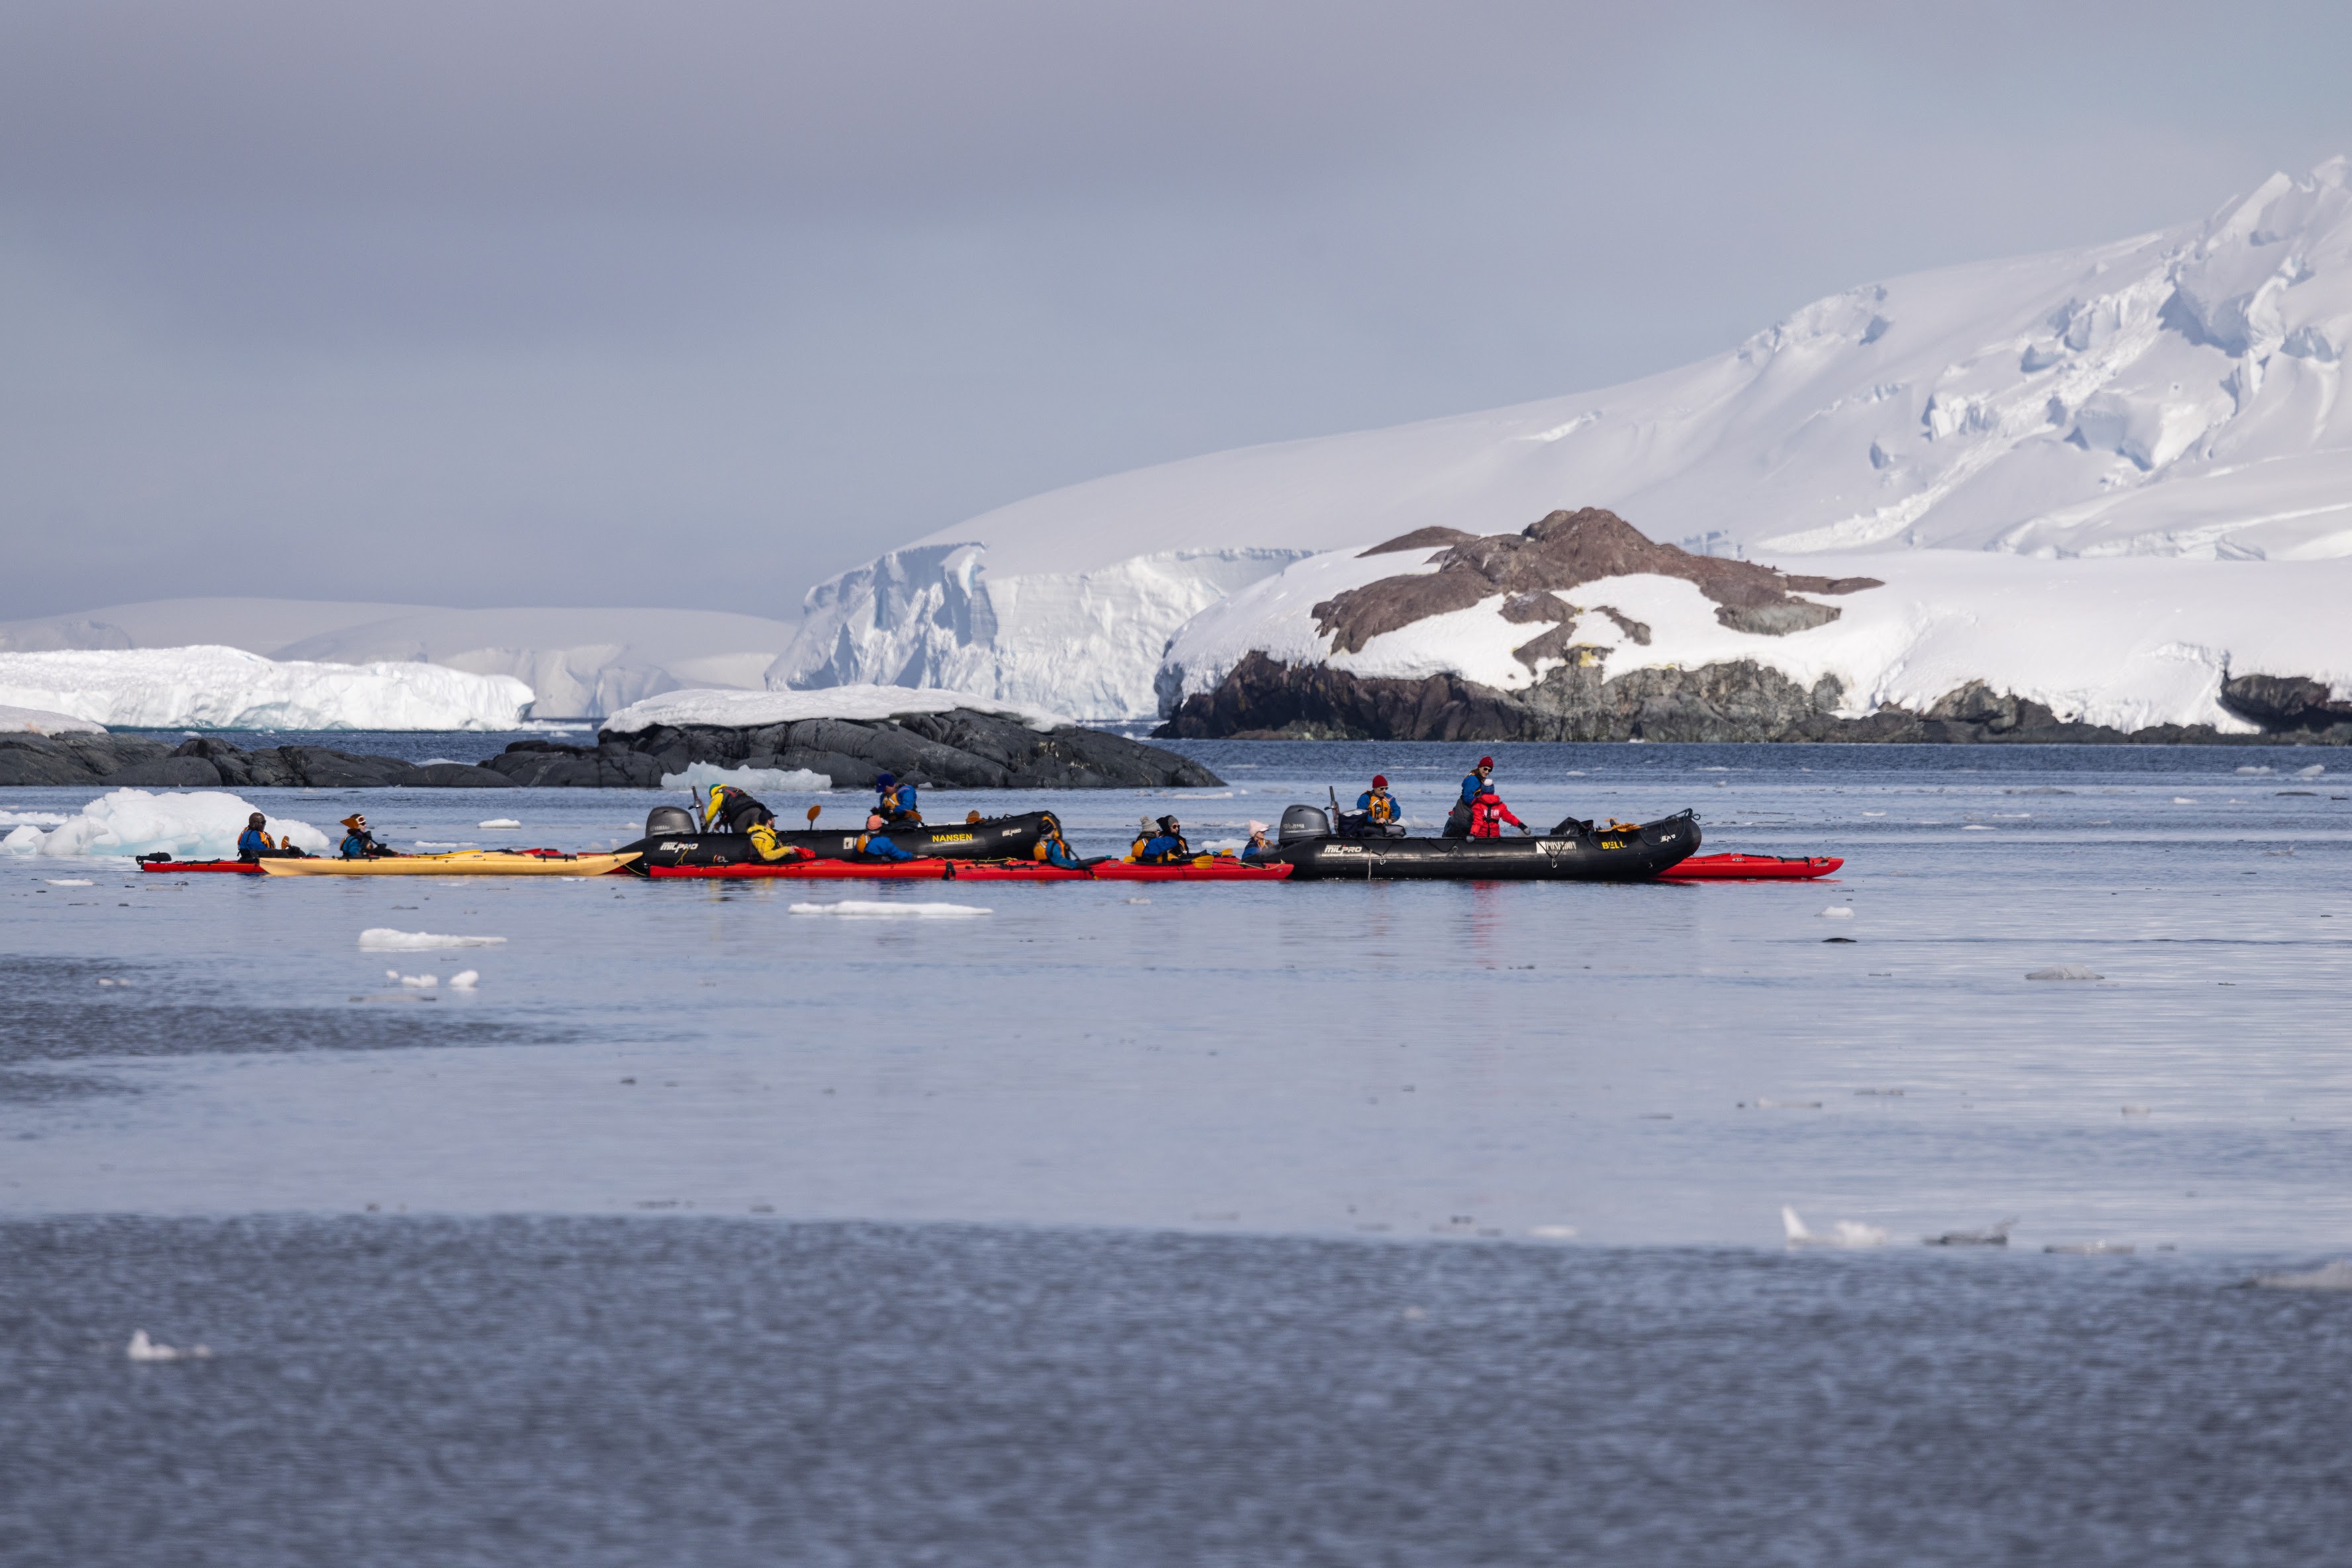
x=2176 y=394
x=228 y=688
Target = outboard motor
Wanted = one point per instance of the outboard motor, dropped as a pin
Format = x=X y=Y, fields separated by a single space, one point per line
x=1302 y=822
x=670 y=822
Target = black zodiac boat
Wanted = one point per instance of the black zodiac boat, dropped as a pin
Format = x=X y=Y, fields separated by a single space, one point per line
x=673 y=839
x=1575 y=850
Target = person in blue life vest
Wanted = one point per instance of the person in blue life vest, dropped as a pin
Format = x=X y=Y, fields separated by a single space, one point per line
x=896 y=802
x=1257 y=847
x=1167 y=847
x=876 y=841
x=1055 y=850
x=255 y=841
x=1457 y=821
x=1377 y=804
x=359 y=844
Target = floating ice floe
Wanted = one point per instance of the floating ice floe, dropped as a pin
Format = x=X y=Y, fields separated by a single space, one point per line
x=384 y=939
x=69 y=882
x=141 y=1348
x=2336 y=1276
x=1848 y=1233
x=2314 y=771
x=875 y=909
x=1837 y=912
x=464 y=979
x=500 y=822
x=2253 y=772
x=228 y=688
x=2063 y=972
x=1993 y=1235
x=2091 y=1248
x=700 y=776
x=199 y=824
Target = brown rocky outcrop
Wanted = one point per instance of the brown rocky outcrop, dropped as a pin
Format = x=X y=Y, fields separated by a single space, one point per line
x=1564 y=551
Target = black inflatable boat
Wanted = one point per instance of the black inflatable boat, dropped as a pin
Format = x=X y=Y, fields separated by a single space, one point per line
x=1573 y=852
x=672 y=840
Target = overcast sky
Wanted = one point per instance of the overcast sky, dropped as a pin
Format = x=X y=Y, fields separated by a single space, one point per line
x=696 y=303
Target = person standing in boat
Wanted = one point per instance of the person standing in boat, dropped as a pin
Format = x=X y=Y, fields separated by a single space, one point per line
x=896 y=802
x=1457 y=821
x=1488 y=815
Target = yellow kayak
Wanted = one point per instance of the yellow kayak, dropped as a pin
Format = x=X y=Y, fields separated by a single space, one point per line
x=463 y=863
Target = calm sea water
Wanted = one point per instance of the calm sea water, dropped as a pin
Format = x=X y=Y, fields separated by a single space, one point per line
x=1141 y=1224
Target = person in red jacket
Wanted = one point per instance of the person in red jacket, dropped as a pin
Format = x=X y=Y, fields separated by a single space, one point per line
x=1488 y=815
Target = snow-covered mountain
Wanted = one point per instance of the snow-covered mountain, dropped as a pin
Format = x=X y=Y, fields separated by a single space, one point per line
x=2173 y=394
x=579 y=664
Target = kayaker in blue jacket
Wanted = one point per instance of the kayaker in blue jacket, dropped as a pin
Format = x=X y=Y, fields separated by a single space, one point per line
x=1055 y=850
x=359 y=844
x=875 y=843
x=1165 y=848
x=255 y=841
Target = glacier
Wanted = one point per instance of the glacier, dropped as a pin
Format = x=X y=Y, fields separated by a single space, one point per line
x=41 y=721
x=2175 y=395
x=228 y=688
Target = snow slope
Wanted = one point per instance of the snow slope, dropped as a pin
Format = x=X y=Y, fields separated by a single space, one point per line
x=41 y=721
x=2122 y=642
x=867 y=702
x=583 y=663
x=228 y=688
x=2173 y=394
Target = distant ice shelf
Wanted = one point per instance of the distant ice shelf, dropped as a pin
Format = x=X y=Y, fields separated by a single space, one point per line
x=227 y=688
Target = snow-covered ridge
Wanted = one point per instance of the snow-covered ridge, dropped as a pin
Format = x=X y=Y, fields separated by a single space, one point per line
x=227 y=688
x=2126 y=643
x=744 y=710
x=2173 y=394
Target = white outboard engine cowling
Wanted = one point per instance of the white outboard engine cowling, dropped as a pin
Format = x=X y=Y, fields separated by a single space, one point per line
x=1300 y=822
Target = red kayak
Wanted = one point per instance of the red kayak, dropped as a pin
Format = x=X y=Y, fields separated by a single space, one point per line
x=242 y=868
x=1123 y=871
x=968 y=871
x=1751 y=868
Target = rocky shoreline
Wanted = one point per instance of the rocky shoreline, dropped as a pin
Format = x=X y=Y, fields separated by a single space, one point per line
x=960 y=750
x=1264 y=700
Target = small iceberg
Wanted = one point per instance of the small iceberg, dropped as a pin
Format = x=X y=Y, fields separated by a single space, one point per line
x=1837 y=912
x=2314 y=771
x=1993 y=1235
x=875 y=909
x=500 y=822
x=2091 y=1248
x=464 y=979
x=1847 y=1233
x=2336 y=1276
x=384 y=939
x=141 y=1348
x=2062 y=972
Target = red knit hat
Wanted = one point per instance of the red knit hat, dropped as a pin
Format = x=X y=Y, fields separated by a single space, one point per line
x=1380 y=780
x=1486 y=762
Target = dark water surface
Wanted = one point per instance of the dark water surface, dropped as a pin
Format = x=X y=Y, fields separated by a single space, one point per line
x=717 y=1392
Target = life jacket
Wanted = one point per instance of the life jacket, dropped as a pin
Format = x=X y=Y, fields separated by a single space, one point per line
x=1163 y=848
x=253 y=841
x=898 y=803
x=1488 y=815
x=356 y=845
x=731 y=811
x=1378 y=807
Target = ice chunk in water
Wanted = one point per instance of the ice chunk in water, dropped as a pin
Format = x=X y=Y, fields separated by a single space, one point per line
x=875 y=909
x=464 y=979
x=2063 y=972
x=1848 y=1232
x=2314 y=771
x=500 y=822
x=1837 y=912
x=384 y=939
x=196 y=824
x=2336 y=1276
x=141 y=1348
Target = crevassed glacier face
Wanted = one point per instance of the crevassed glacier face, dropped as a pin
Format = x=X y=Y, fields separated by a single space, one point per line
x=1086 y=643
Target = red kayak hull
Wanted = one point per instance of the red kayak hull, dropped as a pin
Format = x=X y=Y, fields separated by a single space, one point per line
x=966 y=871
x=1751 y=868
x=240 y=868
